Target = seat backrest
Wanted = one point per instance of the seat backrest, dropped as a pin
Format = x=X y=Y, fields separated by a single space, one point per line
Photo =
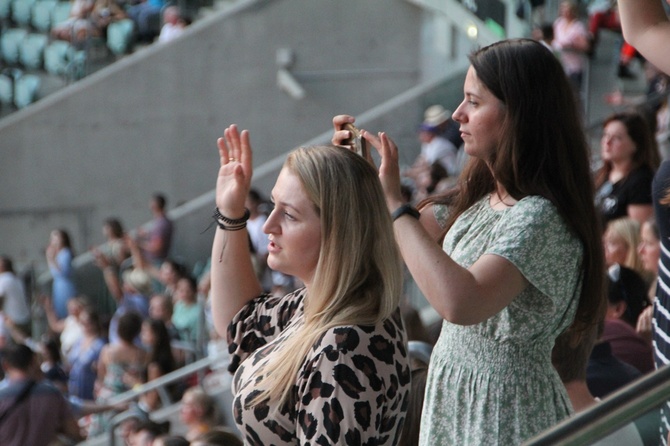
x=5 y=9
x=31 y=51
x=26 y=90
x=56 y=57
x=6 y=90
x=21 y=11
x=41 y=15
x=10 y=42
x=120 y=36
x=60 y=13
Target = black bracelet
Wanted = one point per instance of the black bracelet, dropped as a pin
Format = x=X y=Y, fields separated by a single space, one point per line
x=405 y=209
x=231 y=221
x=238 y=227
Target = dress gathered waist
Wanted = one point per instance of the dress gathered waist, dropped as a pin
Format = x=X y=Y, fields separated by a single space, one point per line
x=461 y=347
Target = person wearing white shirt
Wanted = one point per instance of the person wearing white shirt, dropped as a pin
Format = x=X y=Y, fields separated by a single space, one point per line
x=14 y=297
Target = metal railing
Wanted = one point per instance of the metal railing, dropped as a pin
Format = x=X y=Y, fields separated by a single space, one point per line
x=160 y=385
x=614 y=412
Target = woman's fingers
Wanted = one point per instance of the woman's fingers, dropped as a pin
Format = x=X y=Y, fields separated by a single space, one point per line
x=339 y=134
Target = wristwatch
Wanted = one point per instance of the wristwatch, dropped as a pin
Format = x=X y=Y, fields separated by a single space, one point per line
x=405 y=209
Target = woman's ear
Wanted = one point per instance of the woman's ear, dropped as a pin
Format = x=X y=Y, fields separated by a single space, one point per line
x=615 y=311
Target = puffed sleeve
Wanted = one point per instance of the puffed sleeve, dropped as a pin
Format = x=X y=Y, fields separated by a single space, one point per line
x=353 y=391
x=259 y=322
x=534 y=237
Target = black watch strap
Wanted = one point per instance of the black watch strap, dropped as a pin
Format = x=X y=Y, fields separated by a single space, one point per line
x=405 y=209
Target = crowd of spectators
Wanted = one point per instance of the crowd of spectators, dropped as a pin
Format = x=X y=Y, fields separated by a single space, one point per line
x=159 y=324
x=86 y=357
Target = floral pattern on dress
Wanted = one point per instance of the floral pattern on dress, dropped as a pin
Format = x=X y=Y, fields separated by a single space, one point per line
x=493 y=382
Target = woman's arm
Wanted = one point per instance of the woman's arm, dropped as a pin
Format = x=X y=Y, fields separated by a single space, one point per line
x=460 y=295
x=645 y=26
x=430 y=223
x=233 y=279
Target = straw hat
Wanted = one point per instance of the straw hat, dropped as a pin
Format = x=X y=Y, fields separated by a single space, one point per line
x=435 y=115
x=139 y=280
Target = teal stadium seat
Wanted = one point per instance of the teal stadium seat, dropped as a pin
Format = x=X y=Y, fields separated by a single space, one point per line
x=31 y=51
x=60 y=13
x=120 y=36
x=26 y=90
x=21 y=11
x=5 y=10
x=57 y=56
x=41 y=15
x=6 y=90
x=10 y=42
x=63 y=59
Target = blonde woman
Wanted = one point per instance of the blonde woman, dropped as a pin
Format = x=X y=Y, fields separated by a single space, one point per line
x=621 y=240
x=326 y=364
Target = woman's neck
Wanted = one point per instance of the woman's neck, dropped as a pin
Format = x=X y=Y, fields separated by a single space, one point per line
x=619 y=170
x=500 y=198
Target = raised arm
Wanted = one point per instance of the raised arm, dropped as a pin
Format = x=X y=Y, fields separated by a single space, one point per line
x=460 y=295
x=233 y=280
x=646 y=27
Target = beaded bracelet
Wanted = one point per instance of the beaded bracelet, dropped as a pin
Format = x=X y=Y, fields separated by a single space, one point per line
x=230 y=224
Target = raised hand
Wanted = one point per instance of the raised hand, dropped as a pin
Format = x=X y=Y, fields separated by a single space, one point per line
x=389 y=169
x=234 y=179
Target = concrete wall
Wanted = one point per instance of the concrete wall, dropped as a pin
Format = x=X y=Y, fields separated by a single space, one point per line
x=149 y=123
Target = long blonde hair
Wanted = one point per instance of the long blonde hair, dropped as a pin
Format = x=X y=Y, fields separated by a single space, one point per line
x=358 y=277
x=628 y=230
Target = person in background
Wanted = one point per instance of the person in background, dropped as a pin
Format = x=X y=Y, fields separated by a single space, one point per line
x=13 y=296
x=217 y=437
x=626 y=300
x=572 y=41
x=155 y=244
x=571 y=362
x=116 y=248
x=59 y=255
x=33 y=412
x=646 y=26
x=146 y=15
x=82 y=358
x=173 y=24
x=197 y=412
x=188 y=312
x=630 y=159
x=156 y=340
x=69 y=329
x=621 y=241
x=650 y=254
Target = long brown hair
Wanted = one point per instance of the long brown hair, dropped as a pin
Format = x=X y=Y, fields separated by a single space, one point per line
x=542 y=151
x=646 y=149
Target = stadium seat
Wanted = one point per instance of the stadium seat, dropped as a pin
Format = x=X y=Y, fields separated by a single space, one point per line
x=42 y=13
x=26 y=90
x=56 y=57
x=5 y=10
x=31 y=51
x=60 y=13
x=21 y=11
x=10 y=41
x=6 y=90
x=63 y=59
x=120 y=36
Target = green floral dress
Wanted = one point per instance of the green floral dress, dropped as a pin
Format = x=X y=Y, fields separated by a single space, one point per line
x=493 y=383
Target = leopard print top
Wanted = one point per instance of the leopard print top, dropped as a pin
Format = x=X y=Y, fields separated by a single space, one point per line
x=352 y=388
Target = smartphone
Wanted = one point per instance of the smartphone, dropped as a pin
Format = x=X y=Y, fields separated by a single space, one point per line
x=357 y=143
